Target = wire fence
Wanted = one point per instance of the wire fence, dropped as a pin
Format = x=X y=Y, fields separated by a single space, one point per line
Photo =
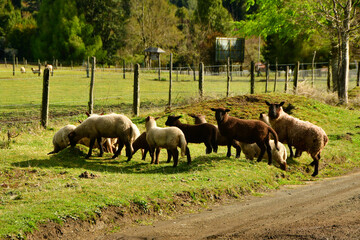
x=21 y=93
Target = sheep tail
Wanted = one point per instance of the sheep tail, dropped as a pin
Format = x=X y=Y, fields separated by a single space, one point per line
x=276 y=139
x=182 y=145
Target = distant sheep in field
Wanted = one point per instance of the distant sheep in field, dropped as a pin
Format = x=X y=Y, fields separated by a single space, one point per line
x=247 y=131
x=35 y=71
x=169 y=138
x=22 y=70
x=304 y=136
x=108 y=126
x=221 y=140
x=252 y=150
x=61 y=139
x=200 y=133
x=50 y=67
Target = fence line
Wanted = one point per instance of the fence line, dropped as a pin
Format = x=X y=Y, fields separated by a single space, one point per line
x=112 y=89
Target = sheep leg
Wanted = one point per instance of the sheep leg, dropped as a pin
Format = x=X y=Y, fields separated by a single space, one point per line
x=268 y=150
x=100 y=146
x=157 y=152
x=228 y=154
x=187 y=152
x=175 y=154
x=169 y=156
x=316 y=168
x=120 y=147
x=262 y=150
x=128 y=151
x=298 y=153
x=291 y=151
x=144 y=152
x=237 y=147
x=208 y=147
x=92 y=141
x=151 y=151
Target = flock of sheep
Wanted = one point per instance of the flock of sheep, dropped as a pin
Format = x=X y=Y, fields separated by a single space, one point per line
x=48 y=66
x=253 y=137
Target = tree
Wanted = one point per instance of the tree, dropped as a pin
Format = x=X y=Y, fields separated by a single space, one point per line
x=152 y=23
x=108 y=18
x=290 y=19
x=62 y=34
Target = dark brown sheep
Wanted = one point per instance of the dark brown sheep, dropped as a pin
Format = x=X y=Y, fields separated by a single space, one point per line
x=199 y=133
x=221 y=140
x=247 y=131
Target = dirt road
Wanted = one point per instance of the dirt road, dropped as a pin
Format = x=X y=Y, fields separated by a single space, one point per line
x=327 y=209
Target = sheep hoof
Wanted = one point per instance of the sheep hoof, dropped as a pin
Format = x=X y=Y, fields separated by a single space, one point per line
x=87 y=157
x=115 y=156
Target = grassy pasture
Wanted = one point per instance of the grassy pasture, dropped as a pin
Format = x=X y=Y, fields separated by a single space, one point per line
x=36 y=188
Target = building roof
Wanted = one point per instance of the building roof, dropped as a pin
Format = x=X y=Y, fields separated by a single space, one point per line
x=154 y=50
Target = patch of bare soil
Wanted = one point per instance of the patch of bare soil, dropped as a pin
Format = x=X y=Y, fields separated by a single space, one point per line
x=327 y=209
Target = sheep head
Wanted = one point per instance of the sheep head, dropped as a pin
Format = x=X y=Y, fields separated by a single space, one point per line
x=274 y=109
x=220 y=114
x=150 y=122
x=199 y=118
x=172 y=120
x=73 y=138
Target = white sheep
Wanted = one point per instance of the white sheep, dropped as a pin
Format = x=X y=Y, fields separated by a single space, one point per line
x=61 y=139
x=50 y=67
x=22 y=70
x=252 y=151
x=108 y=126
x=304 y=136
x=169 y=138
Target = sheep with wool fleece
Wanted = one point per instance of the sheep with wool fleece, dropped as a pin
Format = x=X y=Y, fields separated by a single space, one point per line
x=61 y=139
x=108 y=126
x=303 y=135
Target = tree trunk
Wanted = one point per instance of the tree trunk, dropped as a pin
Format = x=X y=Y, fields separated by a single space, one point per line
x=345 y=59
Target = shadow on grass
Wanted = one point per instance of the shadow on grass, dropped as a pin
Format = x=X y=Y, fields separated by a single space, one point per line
x=73 y=158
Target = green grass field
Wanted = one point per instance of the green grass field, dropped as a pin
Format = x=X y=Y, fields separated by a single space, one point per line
x=36 y=188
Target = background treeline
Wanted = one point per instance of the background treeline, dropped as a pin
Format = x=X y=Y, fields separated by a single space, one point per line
x=113 y=30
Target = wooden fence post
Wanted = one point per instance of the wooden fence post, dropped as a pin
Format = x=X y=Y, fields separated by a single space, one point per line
x=5 y=62
x=276 y=75
x=39 y=69
x=201 y=79
x=228 y=77
x=13 y=64
x=170 y=79
x=45 y=98
x=88 y=68
x=252 y=78
x=136 y=100
x=194 y=72
x=358 y=76
x=92 y=81
x=296 y=76
x=17 y=61
x=124 y=68
x=267 y=77
x=159 y=68
x=286 y=78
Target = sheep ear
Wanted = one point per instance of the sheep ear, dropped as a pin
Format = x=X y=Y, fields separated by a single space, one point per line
x=213 y=109
x=227 y=110
x=178 y=117
x=261 y=115
x=87 y=114
x=147 y=118
x=282 y=103
x=191 y=115
x=157 y=118
x=80 y=121
x=267 y=103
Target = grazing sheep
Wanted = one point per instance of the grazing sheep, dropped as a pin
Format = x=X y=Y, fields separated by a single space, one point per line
x=35 y=71
x=22 y=70
x=304 y=136
x=221 y=140
x=200 y=133
x=108 y=126
x=247 y=131
x=61 y=139
x=252 y=150
x=169 y=138
x=109 y=144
